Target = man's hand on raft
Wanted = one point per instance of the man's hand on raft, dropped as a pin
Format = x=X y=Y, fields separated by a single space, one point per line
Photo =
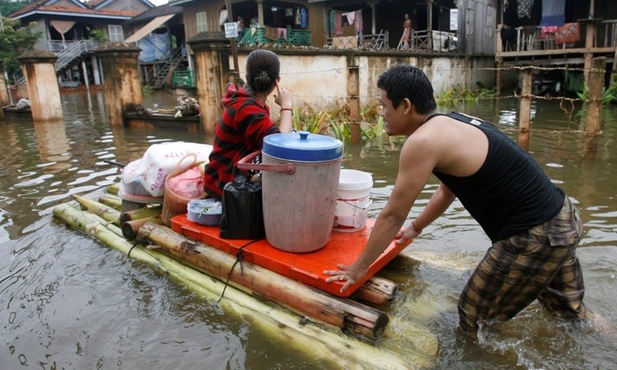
x=349 y=274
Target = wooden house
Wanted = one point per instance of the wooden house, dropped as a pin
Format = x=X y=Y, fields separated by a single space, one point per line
x=562 y=37
x=71 y=29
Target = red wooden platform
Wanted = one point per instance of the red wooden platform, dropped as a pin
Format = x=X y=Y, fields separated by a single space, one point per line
x=305 y=267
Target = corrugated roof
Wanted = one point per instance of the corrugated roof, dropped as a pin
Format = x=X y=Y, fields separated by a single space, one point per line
x=156 y=12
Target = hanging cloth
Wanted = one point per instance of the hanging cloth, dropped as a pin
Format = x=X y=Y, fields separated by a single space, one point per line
x=338 y=23
x=523 y=10
x=553 y=13
x=351 y=16
x=358 y=21
x=62 y=27
x=303 y=18
x=297 y=20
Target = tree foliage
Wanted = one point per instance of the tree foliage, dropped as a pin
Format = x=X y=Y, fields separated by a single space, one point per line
x=7 y=7
x=14 y=40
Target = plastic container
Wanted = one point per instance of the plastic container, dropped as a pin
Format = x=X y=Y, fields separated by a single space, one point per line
x=354 y=198
x=300 y=176
x=205 y=211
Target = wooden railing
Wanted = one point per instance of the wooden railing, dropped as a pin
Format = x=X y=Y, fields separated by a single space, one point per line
x=567 y=38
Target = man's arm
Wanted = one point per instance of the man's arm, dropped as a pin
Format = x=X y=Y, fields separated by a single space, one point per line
x=416 y=164
x=437 y=205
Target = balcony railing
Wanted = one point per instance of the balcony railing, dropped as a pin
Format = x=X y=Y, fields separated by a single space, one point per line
x=258 y=35
x=569 y=38
x=68 y=51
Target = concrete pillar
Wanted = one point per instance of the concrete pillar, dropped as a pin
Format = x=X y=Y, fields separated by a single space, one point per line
x=121 y=85
x=260 y=12
x=96 y=73
x=42 y=84
x=211 y=54
x=4 y=91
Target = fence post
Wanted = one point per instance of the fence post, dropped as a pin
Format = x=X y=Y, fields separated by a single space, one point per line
x=525 y=109
x=353 y=90
x=593 y=126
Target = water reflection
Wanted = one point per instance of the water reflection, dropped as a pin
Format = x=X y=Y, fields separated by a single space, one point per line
x=69 y=302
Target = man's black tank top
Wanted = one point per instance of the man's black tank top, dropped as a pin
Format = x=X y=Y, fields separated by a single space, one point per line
x=510 y=193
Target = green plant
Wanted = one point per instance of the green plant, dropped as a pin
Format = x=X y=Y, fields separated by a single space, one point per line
x=98 y=35
x=14 y=40
x=608 y=95
x=459 y=94
x=336 y=122
x=146 y=90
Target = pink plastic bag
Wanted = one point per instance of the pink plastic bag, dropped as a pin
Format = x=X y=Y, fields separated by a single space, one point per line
x=189 y=184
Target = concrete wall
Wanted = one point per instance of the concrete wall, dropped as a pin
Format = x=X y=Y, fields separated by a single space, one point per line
x=320 y=80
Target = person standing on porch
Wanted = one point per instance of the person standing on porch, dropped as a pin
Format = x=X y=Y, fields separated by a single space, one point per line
x=406 y=31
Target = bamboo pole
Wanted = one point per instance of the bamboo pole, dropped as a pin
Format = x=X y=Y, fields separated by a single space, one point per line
x=112 y=201
x=140 y=213
x=130 y=228
x=352 y=317
x=289 y=328
x=106 y=212
x=113 y=189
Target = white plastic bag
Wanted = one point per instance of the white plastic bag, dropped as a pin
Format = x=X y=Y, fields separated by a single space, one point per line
x=160 y=159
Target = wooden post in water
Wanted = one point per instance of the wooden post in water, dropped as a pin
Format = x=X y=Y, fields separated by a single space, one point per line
x=593 y=127
x=42 y=84
x=121 y=85
x=525 y=109
x=211 y=51
x=353 y=99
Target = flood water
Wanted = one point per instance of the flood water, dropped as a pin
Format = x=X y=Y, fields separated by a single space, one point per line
x=69 y=302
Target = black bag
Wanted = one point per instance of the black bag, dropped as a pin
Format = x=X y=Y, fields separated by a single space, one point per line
x=242 y=210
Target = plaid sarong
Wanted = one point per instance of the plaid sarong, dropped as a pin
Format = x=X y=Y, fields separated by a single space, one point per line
x=539 y=263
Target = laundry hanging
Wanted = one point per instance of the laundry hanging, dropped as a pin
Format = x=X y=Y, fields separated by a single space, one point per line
x=523 y=9
x=553 y=13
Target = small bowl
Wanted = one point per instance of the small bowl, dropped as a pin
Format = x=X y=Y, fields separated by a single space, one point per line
x=205 y=211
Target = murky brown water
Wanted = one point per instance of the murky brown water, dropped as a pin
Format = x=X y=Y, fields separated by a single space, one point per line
x=67 y=301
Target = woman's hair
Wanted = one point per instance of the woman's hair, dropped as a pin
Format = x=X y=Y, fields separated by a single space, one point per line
x=404 y=81
x=262 y=70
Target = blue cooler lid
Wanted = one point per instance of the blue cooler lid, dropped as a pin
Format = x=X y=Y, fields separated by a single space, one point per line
x=302 y=146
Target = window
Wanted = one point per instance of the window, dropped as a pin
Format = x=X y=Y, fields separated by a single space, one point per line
x=201 y=21
x=115 y=33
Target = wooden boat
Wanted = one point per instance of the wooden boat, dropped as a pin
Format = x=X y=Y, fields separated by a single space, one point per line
x=12 y=112
x=282 y=291
x=162 y=120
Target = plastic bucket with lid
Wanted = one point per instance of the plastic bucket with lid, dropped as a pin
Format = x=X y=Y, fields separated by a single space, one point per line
x=354 y=198
x=300 y=176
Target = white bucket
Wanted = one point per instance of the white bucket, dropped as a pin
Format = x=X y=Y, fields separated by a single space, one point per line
x=354 y=197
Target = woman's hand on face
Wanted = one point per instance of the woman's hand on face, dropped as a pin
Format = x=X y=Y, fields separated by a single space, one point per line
x=283 y=97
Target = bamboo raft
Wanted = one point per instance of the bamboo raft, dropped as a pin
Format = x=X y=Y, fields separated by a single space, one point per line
x=319 y=321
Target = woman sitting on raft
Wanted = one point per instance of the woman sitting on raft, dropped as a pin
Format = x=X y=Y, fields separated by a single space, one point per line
x=246 y=119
